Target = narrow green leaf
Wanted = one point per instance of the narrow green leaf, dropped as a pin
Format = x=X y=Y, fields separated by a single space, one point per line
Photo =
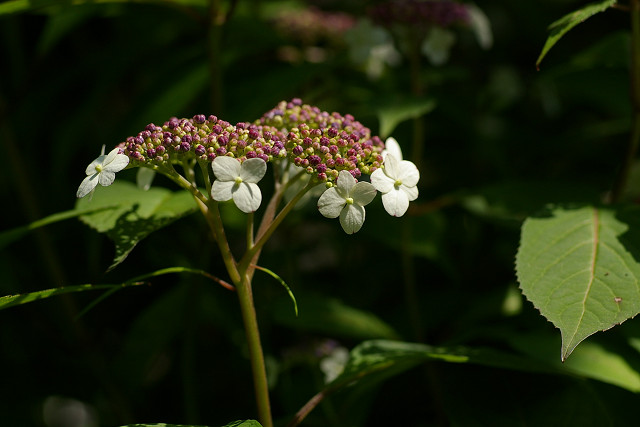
x=12 y=300
x=393 y=114
x=283 y=283
x=139 y=213
x=580 y=268
x=9 y=236
x=560 y=27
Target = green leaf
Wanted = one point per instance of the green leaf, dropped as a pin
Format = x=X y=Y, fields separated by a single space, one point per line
x=13 y=300
x=9 y=236
x=395 y=113
x=385 y=358
x=579 y=268
x=139 y=213
x=559 y=28
x=333 y=317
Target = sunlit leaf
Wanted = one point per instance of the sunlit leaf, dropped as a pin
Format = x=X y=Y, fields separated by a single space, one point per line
x=567 y=22
x=580 y=268
x=139 y=213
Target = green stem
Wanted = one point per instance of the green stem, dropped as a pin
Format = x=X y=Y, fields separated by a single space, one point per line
x=250 y=321
x=634 y=139
x=246 y=260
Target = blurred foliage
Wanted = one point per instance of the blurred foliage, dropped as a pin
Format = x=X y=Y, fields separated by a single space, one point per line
x=501 y=140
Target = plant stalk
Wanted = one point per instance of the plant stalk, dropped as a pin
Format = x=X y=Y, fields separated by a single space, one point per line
x=250 y=321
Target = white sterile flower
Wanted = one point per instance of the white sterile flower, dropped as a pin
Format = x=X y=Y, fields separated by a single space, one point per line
x=391 y=146
x=347 y=200
x=238 y=181
x=397 y=181
x=102 y=171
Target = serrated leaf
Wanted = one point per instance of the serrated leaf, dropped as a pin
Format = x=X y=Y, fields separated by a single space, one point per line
x=139 y=213
x=560 y=27
x=574 y=267
x=393 y=114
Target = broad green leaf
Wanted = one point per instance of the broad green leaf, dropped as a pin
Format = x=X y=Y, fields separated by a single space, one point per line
x=590 y=360
x=559 y=28
x=393 y=114
x=13 y=300
x=139 y=213
x=333 y=317
x=580 y=268
x=9 y=236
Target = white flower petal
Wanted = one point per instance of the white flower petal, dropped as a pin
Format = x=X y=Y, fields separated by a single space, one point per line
x=395 y=202
x=346 y=181
x=247 y=197
x=363 y=193
x=91 y=169
x=87 y=185
x=115 y=162
x=381 y=181
x=392 y=167
x=222 y=190
x=352 y=218
x=408 y=173
x=106 y=178
x=226 y=168
x=252 y=170
x=412 y=192
x=392 y=147
x=331 y=203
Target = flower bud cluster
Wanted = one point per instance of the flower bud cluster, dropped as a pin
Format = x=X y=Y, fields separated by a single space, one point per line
x=313 y=26
x=203 y=138
x=439 y=13
x=324 y=143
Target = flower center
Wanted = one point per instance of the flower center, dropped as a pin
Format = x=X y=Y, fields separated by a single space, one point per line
x=349 y=200
x=98 y=168
x=238 y=180
x=398 y=183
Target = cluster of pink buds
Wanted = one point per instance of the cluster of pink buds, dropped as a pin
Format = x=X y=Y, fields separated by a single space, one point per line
x=324 y=143
x=203 y=138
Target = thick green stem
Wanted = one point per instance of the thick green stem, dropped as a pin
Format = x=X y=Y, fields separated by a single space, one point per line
x=634 y=139
x=250 y=321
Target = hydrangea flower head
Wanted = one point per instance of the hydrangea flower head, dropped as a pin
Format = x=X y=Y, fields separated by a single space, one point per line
x=238 y=181
x=324 y=143
x=397 y=181
x=102 y=171
x=347 y=200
